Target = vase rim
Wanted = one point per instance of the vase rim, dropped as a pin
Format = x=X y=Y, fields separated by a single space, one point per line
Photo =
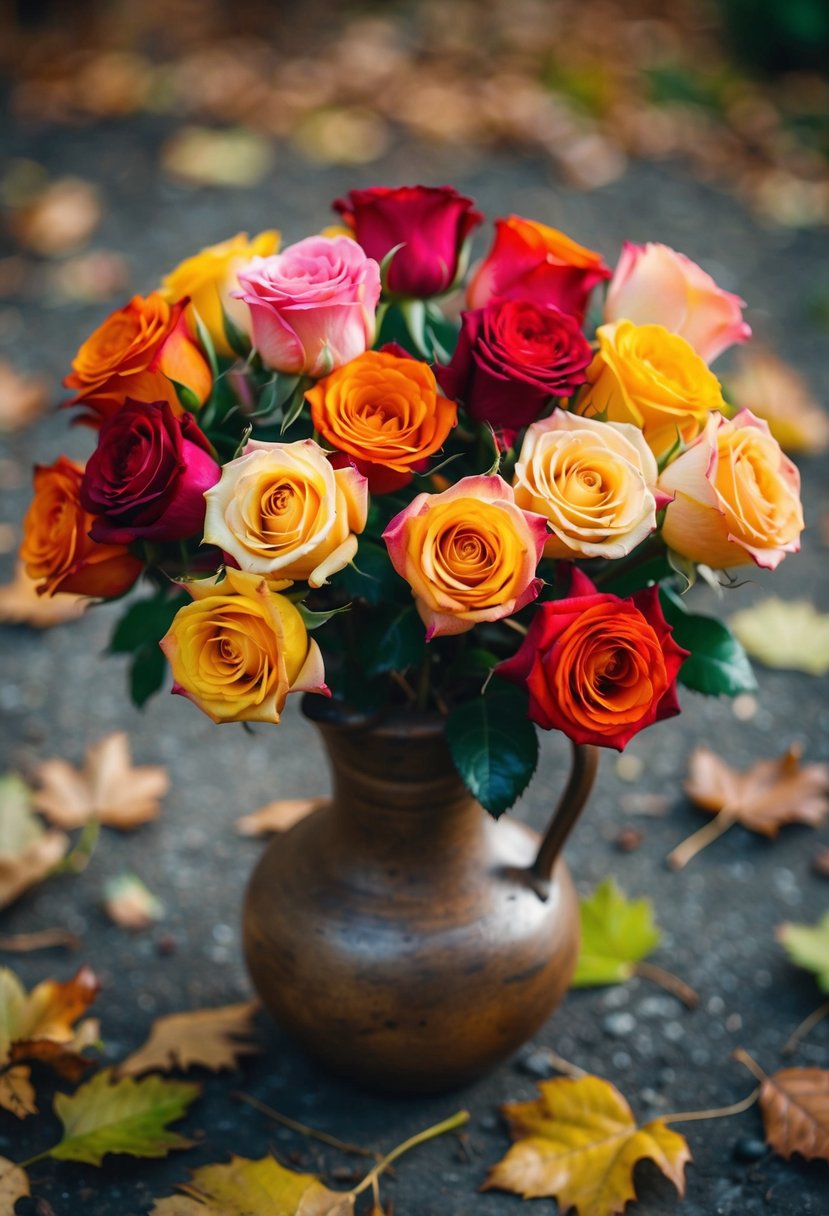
x=331 y=714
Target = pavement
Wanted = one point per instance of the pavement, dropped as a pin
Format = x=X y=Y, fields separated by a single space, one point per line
x=60 y=693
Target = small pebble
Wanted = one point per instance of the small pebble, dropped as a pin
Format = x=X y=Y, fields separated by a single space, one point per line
x=536 y=1063
x=629 y=840
x=618 y=1024
x=629 y=768
x=749 y=1148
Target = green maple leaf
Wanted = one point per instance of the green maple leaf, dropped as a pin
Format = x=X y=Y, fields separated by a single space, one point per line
x=808 y=946
x=128 y=1116
x=616 y=933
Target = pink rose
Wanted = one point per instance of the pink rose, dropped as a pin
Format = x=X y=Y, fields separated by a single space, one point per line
x=312 y=306
x=653 y=284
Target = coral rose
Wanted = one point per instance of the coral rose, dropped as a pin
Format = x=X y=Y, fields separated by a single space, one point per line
x=312 y=307
x=597 y=667
x=208 y=278
x=429 y=223
x=138 y=352
x=654 y=284
x=468 y=554
x=282 y=510
x=645 y=375
x=736 y=497
x=532 y=261
x=384 y=410
x=593 y=481
x=240 y=648
x=57 y=548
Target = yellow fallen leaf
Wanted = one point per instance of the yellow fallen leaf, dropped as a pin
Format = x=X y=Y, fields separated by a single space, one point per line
x=22 y=398
x=14 y=1185
x=353 y=136
x=244 y=1187
x=208 y=1038
x=773 y=390
x=278 y=816
x=20 y=604
x=108 y=788
x=203 y=156
x=17 y=1094
x=789 y=634
x=28 y=852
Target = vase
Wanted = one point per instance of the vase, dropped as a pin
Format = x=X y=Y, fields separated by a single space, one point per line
x=400 y=934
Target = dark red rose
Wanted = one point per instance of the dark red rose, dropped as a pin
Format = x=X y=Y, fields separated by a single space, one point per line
x=512 y=357
x=597 y=667
x=147 y=477
x=431 y=223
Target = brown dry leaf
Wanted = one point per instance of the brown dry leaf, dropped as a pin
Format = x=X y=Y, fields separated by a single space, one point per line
x=207 y=1038
x=765 y=796
x=17 y=1094
x=88 y=278
x=795 y=1107
x=60 y=219
x=22 y=398
x=107 y=789
x=278 y=816
x=14 y=1185
x=129 y=903
x=244 y=1187
x=773 y=390
x=20 y=604
x=28 y=852
x=578 y=1143
x=204 y=156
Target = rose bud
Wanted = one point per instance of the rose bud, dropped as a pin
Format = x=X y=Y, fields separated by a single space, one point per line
x=429 y=223
x=147 y=477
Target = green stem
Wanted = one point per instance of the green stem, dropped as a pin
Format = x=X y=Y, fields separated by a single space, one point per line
x=24 y=1165
x=439 y=1129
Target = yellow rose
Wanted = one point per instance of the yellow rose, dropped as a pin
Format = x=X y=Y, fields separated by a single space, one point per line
x=239 y=649
x=592 y=480
x=645 y=375
x=283 y=510
x=209 y=277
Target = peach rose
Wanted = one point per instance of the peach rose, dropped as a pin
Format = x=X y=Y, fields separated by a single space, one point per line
x=282 y=510
x=653 y=284
x=593 y=481
x=645 y=375
x=736 y=497
x=468 y=554
x=239 y=649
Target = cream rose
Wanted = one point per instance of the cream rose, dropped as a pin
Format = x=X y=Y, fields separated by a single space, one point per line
x=282 y=510
x=593 y=481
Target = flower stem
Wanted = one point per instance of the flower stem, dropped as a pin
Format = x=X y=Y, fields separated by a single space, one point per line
x=439 y=1129
x=709 y=832
x=303 y=1130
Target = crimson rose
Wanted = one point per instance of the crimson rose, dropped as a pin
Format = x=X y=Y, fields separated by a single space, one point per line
x=148 y=475
x=430 y=223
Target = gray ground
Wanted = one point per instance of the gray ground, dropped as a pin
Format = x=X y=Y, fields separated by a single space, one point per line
x=59 y=694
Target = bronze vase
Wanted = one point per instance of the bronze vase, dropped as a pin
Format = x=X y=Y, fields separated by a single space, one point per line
x=400 y=934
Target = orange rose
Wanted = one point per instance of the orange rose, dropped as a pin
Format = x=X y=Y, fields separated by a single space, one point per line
x=138 y=352
x=56 y=545
x=384 y=410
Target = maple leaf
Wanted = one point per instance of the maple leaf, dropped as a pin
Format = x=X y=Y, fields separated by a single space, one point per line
x=578 y=1143
x=245 y=1187
x=20 y=604
x=107 y=789
x=126 y=1116
x=14 y=1185
x=808 y=946
x=791 y=635
x=278 y=816
x=28 y=852
x=22 y=398
x=209 y=1038
x=615 y=934
x=795 y=1107
x=130 y=904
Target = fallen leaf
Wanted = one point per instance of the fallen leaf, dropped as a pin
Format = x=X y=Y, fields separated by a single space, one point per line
x=125 y=1116
x=615 y=934
x=204 y=156
x=107 y=789
x=578 y=1143
x=795 y=1107
x=130 y=904
x=787 y=634
x=245 y=1187
x=58 y=220
x=17 y=1094
x=88 y=278
x=808 y=946
x=352 y=136
x=28 y=851
x=20 y=604
x=773 y=390
x=765 y=796
x=38 y=939
x=22 y=398
x=209 y=1038
x=278 y=816
x=14 y=1185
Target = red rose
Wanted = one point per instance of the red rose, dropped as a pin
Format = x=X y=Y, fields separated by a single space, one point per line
x=431 y=223
x=597 y=667
x=511 y=358
x=147 y=477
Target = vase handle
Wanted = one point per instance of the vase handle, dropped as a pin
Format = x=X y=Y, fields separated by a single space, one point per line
x=585 y=761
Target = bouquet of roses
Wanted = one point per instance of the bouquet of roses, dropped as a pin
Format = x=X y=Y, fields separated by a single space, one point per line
x=493 y=518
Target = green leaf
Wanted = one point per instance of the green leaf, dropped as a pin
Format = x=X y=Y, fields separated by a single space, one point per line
x=635 y=576
x=313 y=620
x=186 y=396
x=207 y=343
x=129 y=1116
x=683 y=567
x=294 y=406
x=494 y=746
x=371 y=576
x=237 y=339
x=394 y=640
x=147 y=671
x=615 y=934
x=808 y=946
x=718 y=665
x=145 y=620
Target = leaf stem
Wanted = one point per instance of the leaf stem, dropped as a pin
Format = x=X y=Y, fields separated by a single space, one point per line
x=667 y=980
x=817 y=1015
x=447 y=1125
x=42 y=939
x=742 y=1057
x=716 y=1112
x=342 y=1145
x=695 y=843
x=24 y=1165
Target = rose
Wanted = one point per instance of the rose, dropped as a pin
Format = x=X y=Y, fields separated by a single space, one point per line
x=592 y=480
x=531 y=261
x=430 y=223
x=138 y=352
x=384 y=410
x=147 y=477
x=654 y=284
x=239 y=649
x=56 y=544
x=645 y=375
x=468 y=554
x=736 y=497
x=282 y=509
x=207 y=280
x=597 y=667
x=512 y=357
x=312 y=306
